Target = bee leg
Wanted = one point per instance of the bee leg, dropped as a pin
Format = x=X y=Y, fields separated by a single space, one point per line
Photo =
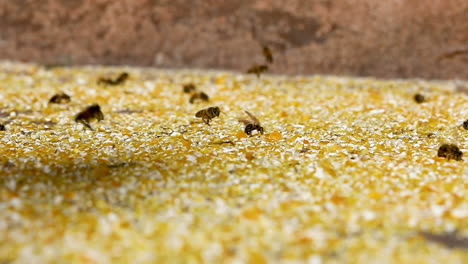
x=207 y=121
x=86 y=124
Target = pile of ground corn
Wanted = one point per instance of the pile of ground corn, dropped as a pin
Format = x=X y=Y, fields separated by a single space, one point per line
x=346 y=172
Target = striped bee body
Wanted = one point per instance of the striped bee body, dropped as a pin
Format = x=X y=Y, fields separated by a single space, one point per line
x=92 y=112
x=208 y=113
x=249 y=128
x=251 y=124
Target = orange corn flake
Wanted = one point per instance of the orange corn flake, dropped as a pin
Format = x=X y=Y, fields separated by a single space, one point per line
x=275 y=136
x=376 y=195
x=257 y=257
x=252 y=213
x=187 y=143
x=249 y=155
x=241 y=134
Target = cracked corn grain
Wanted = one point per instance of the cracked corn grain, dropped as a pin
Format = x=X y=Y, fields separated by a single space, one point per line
x=151 y=187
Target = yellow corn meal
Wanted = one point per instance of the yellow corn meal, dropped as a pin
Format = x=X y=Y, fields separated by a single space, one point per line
x=346 y=171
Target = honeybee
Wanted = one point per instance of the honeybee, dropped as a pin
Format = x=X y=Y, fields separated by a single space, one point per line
x=92 y=112
x=199 y=96
x=190 y=87
x=465 y=124
x=195 y=95
x=60 y=98
x=450 y=151
x=120 y=79
x=2 y=127
x=208 y=113
x=267 y=54
x=419 y=98
x=251 y=124
x=258 y=69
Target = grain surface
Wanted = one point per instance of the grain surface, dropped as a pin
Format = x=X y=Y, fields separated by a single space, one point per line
x=346 y=172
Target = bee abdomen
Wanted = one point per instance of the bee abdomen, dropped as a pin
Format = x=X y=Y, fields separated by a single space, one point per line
x=200 y=113
x=248 y=129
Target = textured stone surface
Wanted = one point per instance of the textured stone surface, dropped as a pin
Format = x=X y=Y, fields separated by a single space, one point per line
x=362 y=37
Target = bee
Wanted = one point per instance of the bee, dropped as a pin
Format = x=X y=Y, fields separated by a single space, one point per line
x=120 y=79
x=188 y=88
x=208 y=113
x=267 y=54
x=251 y=124
x=199 y=96
x=258 y=69
x=60 y=98
x=419 y=98
x=2 y=127
x=92 y=112
x=194 y=94
x=450 y=151
x=465 y=124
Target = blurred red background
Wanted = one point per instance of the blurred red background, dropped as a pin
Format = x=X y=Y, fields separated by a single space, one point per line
x=394 y=38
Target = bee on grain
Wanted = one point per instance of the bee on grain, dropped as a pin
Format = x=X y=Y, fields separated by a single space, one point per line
x=190 y=87
x=92 y=112
x=450 y=151
x=258 y=69
x=208 y=113
x=119 y=80
x=267 y=54
x=195 y=95
x=199 y=96
x=419 y=98
x=60 y=98
x=251 y=124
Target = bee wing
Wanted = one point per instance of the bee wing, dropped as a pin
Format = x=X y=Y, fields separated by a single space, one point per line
x=245 y=121
x=254 y=119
